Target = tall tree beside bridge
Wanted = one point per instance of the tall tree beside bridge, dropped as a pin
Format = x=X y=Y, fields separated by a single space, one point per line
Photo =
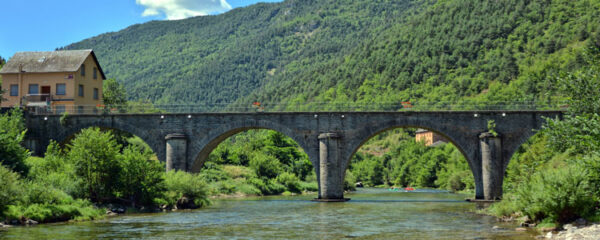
x=113 y=94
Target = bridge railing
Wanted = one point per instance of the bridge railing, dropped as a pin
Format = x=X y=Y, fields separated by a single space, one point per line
x=146 y=108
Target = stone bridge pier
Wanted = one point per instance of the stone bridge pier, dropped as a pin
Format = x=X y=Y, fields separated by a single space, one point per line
x=330 y=139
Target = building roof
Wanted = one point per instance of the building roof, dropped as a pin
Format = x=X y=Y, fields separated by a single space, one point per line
x=420 y=130
x=437 y=144
x=44 y=62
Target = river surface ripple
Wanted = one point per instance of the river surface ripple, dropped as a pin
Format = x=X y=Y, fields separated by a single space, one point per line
x=371 y=214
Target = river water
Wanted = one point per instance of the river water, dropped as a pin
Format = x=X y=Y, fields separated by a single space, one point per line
x=371 y=214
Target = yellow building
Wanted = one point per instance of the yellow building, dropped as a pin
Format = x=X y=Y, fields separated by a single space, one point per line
x=57 y=81
x=429 y=138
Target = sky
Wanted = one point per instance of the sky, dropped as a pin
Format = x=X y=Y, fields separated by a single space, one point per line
x=44 y=25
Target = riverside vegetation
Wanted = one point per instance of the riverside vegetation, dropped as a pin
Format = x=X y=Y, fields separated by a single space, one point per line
x=78 y=181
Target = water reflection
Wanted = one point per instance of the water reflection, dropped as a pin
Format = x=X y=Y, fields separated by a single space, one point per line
x=371 y=214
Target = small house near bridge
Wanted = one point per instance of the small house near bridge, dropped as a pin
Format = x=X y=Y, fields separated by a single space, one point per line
x=57 y=80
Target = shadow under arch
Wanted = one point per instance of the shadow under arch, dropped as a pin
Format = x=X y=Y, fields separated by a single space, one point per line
x=373 y=133
x=202 y=150
x=70 y=131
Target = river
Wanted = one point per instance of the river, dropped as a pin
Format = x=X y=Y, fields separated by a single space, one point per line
x=371 y=214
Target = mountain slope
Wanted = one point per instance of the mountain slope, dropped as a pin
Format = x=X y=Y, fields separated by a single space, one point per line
x=222 y=58
x=457 y=52
x=341 y=51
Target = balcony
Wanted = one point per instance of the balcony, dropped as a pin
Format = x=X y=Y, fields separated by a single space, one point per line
x=37 y=99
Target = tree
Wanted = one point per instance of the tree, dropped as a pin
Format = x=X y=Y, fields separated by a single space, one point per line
x=95 y=155
x=12 y=133
x=141 y=179
x=10 y=189
x=578 y=131
x=114 y=94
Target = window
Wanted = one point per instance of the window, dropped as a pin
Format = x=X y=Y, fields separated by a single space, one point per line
x=59 y=109
x=61 y=89
x=34 y=89
x=81 y=90
x=82 y=69
x=14 y=90
x=80 y=109
x=95 y=73
x=95 y=94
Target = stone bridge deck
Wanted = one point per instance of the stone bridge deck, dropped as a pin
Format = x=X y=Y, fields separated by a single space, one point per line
x=330 y=139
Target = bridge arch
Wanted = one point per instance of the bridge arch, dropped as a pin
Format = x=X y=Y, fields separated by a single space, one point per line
x=467 y=145
x=355 y=147
x=200 y=150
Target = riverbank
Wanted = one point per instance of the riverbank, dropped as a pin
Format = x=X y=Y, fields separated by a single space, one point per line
x=591 y=232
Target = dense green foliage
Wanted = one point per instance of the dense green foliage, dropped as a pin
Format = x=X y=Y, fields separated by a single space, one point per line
x=113 y=93
x=95 y=156
x=182 y=184
x=340 y=51
x=141 y=179
x=9 y=189
x=259 y=162
x=564 y=158
x=394 y=158
x=216 y=59
x=12 y=133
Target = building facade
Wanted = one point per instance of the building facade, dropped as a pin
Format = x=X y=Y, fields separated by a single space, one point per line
x=429 y=138
x=55 y=81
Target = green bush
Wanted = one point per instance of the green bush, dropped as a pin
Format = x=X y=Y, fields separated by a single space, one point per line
x=40 y=193
x=213 y=172
x=45 y=213
x=55 y=170
x=248 y=189
x=290 y=181
x=12 y=133
x=349 y=181
x=557 y=195
x=504 y=208
x=267 y=186
x=95 y=156
x=182 y=184
x=223 y=187
x=265 y=165
x=11 y=188
x=369 y=171
x=141 y=179
x=310 y=186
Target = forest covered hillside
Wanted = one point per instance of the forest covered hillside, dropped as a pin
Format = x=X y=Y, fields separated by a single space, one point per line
x=363 y=51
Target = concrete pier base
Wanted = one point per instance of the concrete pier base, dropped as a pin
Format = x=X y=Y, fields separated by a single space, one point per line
x=491 y=166
x=331 y=177
x=176 y=152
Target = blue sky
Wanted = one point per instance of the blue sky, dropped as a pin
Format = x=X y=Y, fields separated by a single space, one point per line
x=43 y=25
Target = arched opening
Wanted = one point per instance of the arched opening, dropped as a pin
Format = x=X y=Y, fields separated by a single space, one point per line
x=403 y=157
x=255 y=161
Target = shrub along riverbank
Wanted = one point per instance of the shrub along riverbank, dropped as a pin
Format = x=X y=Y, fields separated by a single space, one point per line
x=555 y=179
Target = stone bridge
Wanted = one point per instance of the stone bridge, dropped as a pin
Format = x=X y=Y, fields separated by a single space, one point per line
x=330 y=139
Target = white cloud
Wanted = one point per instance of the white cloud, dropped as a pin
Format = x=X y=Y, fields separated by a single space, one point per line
x=179 y=9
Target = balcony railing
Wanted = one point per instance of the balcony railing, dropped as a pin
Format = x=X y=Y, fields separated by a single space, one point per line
x=36 y=98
